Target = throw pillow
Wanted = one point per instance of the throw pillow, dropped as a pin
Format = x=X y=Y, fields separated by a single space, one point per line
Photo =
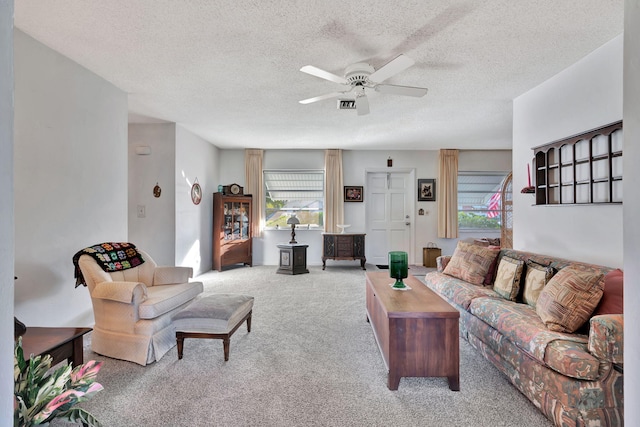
x=491 y=274
x=507 y=282
x=569 y=298
x=535 y=279
x=612 y=300
x=470 y=263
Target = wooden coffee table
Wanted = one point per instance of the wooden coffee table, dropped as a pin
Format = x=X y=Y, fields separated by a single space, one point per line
x=59 y=343
x=416 y=330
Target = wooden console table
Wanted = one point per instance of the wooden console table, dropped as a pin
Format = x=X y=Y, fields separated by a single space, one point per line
x=416 y=330
x=343 y=246
x=60 y=343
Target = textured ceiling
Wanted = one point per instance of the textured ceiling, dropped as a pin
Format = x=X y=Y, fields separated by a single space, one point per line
x=229 y=71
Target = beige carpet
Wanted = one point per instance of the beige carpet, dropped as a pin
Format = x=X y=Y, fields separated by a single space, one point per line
x=310 y=360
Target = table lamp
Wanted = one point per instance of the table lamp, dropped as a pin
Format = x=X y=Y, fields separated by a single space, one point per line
x=293 y=220
x=399 y=269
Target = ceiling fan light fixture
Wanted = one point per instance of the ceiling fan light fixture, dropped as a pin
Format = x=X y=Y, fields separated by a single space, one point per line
x=361 y=75
x=358 y=74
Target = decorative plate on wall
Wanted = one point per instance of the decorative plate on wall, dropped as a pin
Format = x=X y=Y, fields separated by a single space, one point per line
x=196 y=193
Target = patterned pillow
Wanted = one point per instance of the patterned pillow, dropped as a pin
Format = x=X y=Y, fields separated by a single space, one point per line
x=470 y=263
x=535 y=279
x=507 y=281
x=569 y=299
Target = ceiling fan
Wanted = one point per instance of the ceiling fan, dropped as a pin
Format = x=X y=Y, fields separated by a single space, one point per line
x=362 y=76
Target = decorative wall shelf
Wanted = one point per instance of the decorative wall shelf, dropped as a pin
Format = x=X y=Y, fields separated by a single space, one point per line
x=581 y=169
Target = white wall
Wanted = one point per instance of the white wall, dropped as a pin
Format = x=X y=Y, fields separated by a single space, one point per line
x=195 y=158
x=585 y=96
x=355 y=165
x=70 y=177
x=631 y=157
x=155 y=232
x=173 y=231
x=232 y=167
x=6 y=212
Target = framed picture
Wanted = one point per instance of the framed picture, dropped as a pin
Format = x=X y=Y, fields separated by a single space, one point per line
x=353 y=194
x=426 y=190
x=196 y=193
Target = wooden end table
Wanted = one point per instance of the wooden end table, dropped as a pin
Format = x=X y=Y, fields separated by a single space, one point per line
x=60 y=343
x=416 y=330
x=293 y=258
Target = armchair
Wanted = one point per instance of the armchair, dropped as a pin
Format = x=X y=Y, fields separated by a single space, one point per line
x=134 y=308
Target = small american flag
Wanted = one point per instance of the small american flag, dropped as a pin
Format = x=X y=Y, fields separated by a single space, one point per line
x=494 y=206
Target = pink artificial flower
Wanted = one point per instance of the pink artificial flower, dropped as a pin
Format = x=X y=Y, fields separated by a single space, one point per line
x=86 y=373
x=95 y=387
x=55 y=403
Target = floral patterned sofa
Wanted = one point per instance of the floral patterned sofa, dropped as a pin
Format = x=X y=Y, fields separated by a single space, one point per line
x=575 y=379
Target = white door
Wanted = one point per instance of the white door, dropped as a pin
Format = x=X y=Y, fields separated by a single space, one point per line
x=389 y=204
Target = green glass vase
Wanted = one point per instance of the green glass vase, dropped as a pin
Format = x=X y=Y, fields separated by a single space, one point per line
x=398 y=268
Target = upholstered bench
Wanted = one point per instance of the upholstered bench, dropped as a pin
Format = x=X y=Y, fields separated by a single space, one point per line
x=214 y=316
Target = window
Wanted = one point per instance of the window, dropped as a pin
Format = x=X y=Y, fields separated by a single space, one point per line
x=294 y=192
x=479 y=200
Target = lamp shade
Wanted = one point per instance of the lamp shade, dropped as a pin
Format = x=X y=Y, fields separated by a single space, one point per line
x=293 y=220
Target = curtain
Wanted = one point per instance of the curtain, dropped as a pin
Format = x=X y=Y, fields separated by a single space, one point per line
x=255 y=187
x=448 y=195
x=333 y=186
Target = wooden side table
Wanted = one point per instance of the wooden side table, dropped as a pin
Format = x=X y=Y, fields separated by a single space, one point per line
x=60 y=343
x=293 y=258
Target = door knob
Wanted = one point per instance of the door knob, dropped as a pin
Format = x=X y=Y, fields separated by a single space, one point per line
x=407 y=223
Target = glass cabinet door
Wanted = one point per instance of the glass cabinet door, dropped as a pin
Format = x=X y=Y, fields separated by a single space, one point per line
x=236 y=221
x=244 y=220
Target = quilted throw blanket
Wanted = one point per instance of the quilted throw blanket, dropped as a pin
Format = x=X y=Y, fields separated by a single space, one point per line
x=111 y=256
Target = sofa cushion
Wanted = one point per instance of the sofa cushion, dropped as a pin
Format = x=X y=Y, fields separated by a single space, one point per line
x=612 y=301
x=569 y=299
x=535 y=279
x=470 y=262
x=520 y=324
x=572 y=359
x=164 y=298
x=456 y=291
x=507 y=281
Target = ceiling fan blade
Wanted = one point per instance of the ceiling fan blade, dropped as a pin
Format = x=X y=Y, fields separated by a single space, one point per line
x=402 y=90
x=391 y=68
x=362 y=105
x=321 y=97
x=315 y=71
